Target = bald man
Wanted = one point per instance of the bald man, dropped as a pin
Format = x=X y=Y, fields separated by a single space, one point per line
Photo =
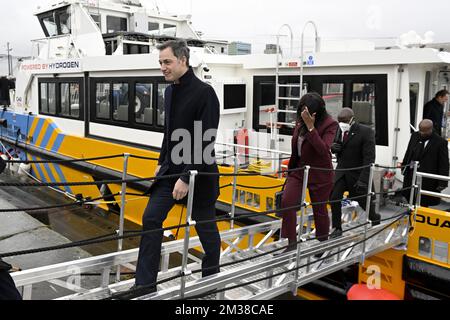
x=354 y=147
x=431 y=151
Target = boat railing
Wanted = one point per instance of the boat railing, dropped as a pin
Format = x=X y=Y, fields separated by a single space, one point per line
x=420 y=176
x=61 y=48
x=247 y=154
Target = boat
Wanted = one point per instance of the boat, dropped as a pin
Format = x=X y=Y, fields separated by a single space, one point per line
x=93 y=88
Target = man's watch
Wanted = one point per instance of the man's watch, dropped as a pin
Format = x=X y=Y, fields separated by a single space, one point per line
x=310 y=130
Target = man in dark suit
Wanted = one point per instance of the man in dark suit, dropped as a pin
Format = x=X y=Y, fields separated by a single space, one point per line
x=8 y=290
x=434 y=110
x=431 y=151
x=192 y=119
x=354 y=147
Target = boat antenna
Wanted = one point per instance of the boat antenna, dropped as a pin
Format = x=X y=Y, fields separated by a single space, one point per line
x=156 y=6
x=302 y=58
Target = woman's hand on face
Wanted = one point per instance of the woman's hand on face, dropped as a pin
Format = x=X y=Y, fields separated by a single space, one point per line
x=308 y=119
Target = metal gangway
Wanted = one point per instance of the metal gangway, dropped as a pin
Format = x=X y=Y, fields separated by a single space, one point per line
x=248 y=270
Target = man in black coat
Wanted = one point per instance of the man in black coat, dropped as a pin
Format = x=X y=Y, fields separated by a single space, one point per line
x=192 y=114
x=8 y=290
x=354 y=147
x=434 y=110
x=431 y=151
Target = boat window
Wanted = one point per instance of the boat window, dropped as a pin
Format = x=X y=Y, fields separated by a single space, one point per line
x=153 y=28
x=61 y=97
x=64 y=21
x=161 y=111
x=267 y=94
x=143 y=103
x=169 y=30
x=425 y=247
x=51 y=28
x=97 y=19
x=56 y=22
x=440 y=251
x=366 y=94
x=120 y=101
x=413 y=102
x=114 y=24
x=363 y=103
x=103 y=106
x=333 y=94
x=43 y=97
x=234 y=96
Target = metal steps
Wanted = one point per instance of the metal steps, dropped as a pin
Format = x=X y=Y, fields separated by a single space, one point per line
x=260 y=277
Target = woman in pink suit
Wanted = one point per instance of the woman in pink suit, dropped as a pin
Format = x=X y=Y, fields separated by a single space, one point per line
x=311 y=143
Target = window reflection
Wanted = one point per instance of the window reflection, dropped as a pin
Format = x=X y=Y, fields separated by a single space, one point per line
x=161 y=111
x=65 y=99
x=64 y=22
x=44 y=98
x=50 y=26
x=102 y=101
x=52 y=98
x=120 y=101
x=143 y=103
x=363 y=103
x=333 y=94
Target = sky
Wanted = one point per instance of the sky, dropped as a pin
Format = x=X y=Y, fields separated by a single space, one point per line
x=258 y=21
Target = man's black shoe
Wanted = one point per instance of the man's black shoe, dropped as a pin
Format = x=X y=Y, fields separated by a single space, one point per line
x=336 y=234
x=137 y=291
x=291 y=247
x=318 y=255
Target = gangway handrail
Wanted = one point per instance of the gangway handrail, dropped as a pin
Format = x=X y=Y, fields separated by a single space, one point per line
x=433 y=176
x=27 y=277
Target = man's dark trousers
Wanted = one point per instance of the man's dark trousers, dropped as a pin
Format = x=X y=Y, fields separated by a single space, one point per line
x=160 y=204
x=346 y=183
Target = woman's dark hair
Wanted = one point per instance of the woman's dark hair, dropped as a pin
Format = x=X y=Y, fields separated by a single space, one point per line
x=315 y=104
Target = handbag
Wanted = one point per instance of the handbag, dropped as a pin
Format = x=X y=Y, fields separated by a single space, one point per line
x=278 y=199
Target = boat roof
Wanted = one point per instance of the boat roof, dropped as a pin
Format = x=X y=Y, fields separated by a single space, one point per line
x=338 y=59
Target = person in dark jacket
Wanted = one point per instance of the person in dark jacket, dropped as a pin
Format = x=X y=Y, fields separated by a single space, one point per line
x=191 y=121
x=8 y=290
x=434 y=110
x=431 y=151
x=5 y=85
x=354 y=147
x=311 y=142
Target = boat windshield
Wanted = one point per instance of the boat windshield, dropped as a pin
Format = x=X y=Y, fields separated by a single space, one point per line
x=56 y=22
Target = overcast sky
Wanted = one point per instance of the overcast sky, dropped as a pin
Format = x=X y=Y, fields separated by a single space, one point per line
x=254 y=20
